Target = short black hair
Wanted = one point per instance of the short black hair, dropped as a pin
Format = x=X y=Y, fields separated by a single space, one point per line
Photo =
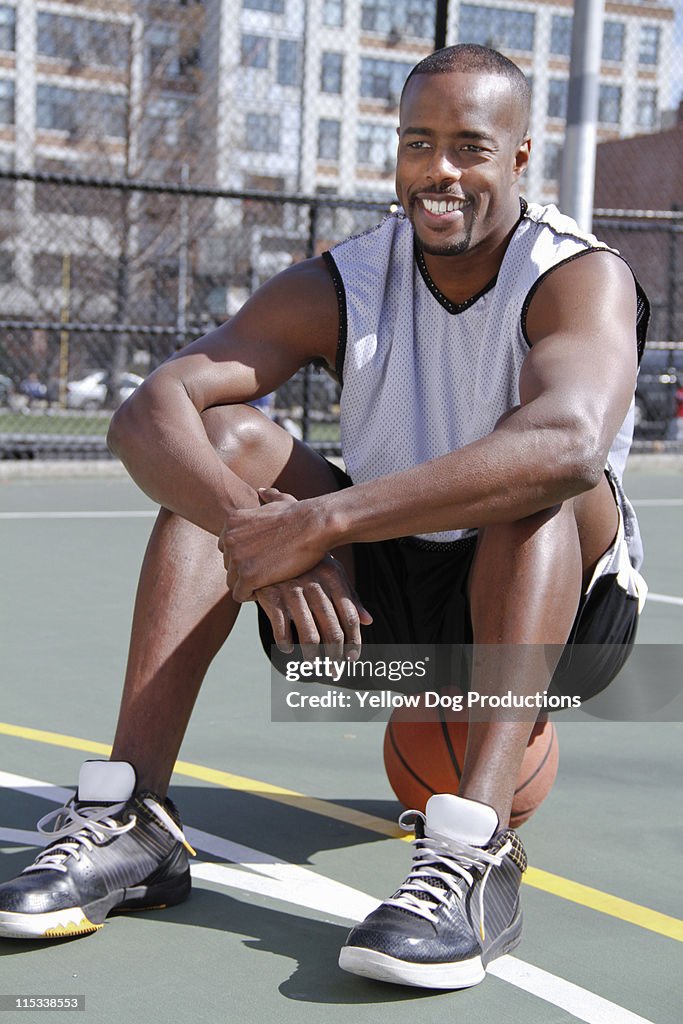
x=469 y=57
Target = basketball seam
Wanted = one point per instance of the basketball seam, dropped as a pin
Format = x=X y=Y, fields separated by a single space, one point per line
x=405 y=764
x=539 y=767
x=449 y=746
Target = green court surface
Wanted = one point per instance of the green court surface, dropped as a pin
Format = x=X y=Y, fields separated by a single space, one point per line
x=294 y=822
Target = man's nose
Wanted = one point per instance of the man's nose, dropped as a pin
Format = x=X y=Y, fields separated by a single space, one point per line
x=443 y=167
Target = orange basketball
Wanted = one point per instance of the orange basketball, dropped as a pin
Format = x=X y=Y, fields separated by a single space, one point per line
x=422 y=758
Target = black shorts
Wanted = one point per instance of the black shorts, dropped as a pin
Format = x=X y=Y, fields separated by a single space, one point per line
x=416 y=592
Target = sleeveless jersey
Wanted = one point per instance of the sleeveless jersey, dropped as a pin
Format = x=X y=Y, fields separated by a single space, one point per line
x=422 y=376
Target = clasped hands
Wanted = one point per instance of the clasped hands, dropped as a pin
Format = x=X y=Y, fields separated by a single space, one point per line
x=276 y=555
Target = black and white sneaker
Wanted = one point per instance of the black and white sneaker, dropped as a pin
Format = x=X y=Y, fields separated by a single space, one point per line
x=110 y=850
x=457 y=910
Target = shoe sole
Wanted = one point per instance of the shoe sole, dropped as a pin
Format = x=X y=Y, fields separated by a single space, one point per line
x=74 y=921
x=370 y=963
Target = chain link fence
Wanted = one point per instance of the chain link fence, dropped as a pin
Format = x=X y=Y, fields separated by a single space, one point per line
x=160 y=160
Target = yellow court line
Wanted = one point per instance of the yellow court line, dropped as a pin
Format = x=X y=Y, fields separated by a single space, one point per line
x=565 y=888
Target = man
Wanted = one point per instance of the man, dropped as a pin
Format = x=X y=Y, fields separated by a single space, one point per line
x=488 y=352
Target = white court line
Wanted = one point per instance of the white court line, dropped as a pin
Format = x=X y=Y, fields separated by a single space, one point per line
x=657 y=502
x=275 y=878
x=134 y=514
x=664 y=598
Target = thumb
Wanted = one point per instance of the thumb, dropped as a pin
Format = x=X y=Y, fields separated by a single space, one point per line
x=271 y=494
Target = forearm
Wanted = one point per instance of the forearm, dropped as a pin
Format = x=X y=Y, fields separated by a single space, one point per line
x=504 y=477
x=162 y=443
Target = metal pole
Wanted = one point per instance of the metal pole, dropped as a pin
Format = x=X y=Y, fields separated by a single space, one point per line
x=577 y=180
x=306 y=384
x=440 y=24
x=673 y=274
x=183 y=261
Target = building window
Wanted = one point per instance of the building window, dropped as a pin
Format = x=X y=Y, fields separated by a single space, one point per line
x=333 y=13
x=398 y=18
x=263 y=133
x=552 y=161
x=165 y=55
x=609 y=104
x=613 y=35
x=83 y=40
x=274 y=6
x=497 y=27
x=6 y=266
x=79 y=111
x=558 y=89
x=331 y=72
x=255 y=51
x=376 y=146
x=383 y=79
x=646 y=112
x=165 y=121
x=6 y=102
x=8 y=23
x=329 y=138
x=288 y=62
x=561 y=35
x=649 y=44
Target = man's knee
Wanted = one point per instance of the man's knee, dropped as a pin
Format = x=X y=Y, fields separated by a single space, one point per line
x=236 y=431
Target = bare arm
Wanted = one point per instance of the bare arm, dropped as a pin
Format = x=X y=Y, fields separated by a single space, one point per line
x=158 y=433
x=575 y=389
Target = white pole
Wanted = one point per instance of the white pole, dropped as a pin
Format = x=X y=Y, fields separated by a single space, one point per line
x=577 y=180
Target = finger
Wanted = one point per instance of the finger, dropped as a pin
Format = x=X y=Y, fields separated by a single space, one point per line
x=364 y=615
x=330 y=628
x=279 y=620
x=271 y=494
x=302 y=618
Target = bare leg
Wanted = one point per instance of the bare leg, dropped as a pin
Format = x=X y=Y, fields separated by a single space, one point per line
x=183 y=613
x=525 y=588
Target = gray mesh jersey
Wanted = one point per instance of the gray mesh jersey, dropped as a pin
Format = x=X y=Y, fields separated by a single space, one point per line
x=423 y=376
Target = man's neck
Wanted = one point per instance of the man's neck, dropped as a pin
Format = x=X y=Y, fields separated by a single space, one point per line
x=463 y=276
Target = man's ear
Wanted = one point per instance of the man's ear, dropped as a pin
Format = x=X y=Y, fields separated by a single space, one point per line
x=522 y=157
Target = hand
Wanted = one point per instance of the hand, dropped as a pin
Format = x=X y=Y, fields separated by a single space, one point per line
x=324 y=608
x=266 y=545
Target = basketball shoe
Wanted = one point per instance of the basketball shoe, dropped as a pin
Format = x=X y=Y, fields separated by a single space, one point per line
x=110 y=849
x=457 y=910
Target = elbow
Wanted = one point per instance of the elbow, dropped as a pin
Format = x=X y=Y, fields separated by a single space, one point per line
x=586 y=456
x=122 y=428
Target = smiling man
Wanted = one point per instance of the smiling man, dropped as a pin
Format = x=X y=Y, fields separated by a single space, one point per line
x=487 y=350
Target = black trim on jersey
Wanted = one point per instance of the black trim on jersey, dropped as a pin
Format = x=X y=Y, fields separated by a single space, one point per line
x=343 y=320
x=450 y=307
x=642 y=301
x=457 y=307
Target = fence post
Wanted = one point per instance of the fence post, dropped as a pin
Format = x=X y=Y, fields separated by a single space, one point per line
x=306 y=394
x=440 y=24
x=673 y=274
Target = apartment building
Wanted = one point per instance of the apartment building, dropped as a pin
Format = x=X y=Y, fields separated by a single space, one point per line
x=318 y=83
x=274 y=95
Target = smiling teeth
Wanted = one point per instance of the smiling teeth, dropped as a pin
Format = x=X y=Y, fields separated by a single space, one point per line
x=442 y=206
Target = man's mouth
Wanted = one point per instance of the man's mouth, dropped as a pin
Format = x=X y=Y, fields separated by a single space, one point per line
x=439 y=207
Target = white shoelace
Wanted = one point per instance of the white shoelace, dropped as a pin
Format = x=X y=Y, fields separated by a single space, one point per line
x=445 y=862
x=89 y=826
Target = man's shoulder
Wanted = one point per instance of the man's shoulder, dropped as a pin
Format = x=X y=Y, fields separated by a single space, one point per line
x=549 y=221
x=394 y=229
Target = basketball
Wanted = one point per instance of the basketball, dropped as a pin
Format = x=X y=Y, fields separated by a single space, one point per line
x=423 y=758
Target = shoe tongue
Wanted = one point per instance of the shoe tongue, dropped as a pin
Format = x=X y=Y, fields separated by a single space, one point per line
x=106 y=782
x=454 y=817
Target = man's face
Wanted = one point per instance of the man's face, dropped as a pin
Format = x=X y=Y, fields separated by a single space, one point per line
x=460 y=156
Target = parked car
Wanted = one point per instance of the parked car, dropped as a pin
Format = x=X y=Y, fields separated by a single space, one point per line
x=6 y=389
x=658 y=383
x=91 y=391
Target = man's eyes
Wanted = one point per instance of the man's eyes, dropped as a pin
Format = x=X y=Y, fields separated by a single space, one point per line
x=468 y=147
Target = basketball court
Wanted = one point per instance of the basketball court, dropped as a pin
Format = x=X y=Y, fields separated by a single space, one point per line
x=294 y=823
